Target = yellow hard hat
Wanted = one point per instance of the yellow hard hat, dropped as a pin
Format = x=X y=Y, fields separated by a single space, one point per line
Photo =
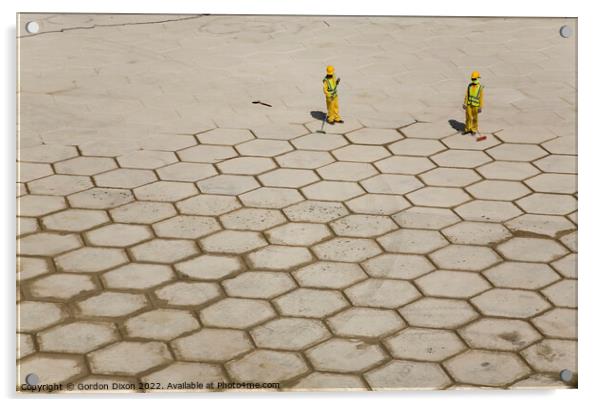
x=475 y=75
x=329 y=70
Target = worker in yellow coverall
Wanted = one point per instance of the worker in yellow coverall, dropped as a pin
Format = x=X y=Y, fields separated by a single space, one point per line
x=473 y=103
x=330 y=84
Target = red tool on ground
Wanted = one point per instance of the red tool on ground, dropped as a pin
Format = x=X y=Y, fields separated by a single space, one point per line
x=481 y=137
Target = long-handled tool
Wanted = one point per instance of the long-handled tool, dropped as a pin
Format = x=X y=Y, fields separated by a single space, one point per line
x=322 y=128
x=481 y=137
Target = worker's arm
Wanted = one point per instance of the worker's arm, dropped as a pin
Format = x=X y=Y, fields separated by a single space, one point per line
x=465 y=100
x=481 y=98
x=325 y=85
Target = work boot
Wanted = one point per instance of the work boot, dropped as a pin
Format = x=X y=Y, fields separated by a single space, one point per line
x=465 y=132
x=330 y=121
x=339 y=121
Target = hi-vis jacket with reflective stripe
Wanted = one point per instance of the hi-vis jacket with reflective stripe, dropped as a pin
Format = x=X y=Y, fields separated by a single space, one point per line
x=330 y=86
x=474 y=95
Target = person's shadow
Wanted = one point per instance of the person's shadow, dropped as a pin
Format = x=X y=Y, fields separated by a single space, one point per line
x=456 y=125
x=318 y=115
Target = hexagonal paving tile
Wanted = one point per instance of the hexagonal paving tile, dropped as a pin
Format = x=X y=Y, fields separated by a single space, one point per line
x=75 y=220
x=431 y=345
x=567 y=266
x=290 y=333
x=91 y=260
x=258 y=284
x=374 y=136
x=275 y=257
x=558 y=322
x=200 y=346
x=323 y=274
x=449 y=177
x=100 y=198
x=466 y=142
x=61 y=286
x=59 y=185
x=37 y=315
x=378 y=204
x=438 y=313
x=187 y=172
x=382 y=293
x=129 y=358
x=510 y=303
x=553 y=183
x=267 y=366
x=361 y=153
x=345 y=355
x=516 y=152
x=246 y=165
x=304 y=159
x=534 y=135
x=137 y=276
x=552 y=355
x=391 y=184
x=279 y=131
x=562 y=293
x=400 y=374
x=462 y=257
x=402 y=266
x=439 y=197
x=476 y=233
x=561 y=145
x=232 y=241
x=143 y=212
x=51 y=370
x=499 y=334
x=558 y=164
x=264 y=148
x=508 y=170
x=224 y=136
x=186 y=227
x=47 y=153
x=435 y=130
x=180 y=372
x=548 y=204
x=30 y=267
x=165 y=191
x=460 y=158
x=146 y=159
x=329 y=382
x=305 y=302
x=228 y=184
x=210 y=267
x=412 y=241
x=315 y=211
x=365 y=322
x=346 y=171
x=27 y=172
x=252 y=219
x=320 y=142
x=237 y=313
x=363 y=225
x=298 y=234
x=332 y=190
x=208 y=205
x=488 y=211
x=38 y=205
x=486 y=368
x=529 y=276
x=47 y=244
x=404 y=165
x=426 y=218
x=125 y=178
x=532 y=249
x=119 y=235
x=164 y=250
x=266 y=197
x=207 y=154
x=498 y=190
x=160 y=324
x=455 y=284
x=111 y=304
x=77 y=337
x=541 y=224
x=184 y=294
x=288 y=177
x=416 y=147
x=25 y=345
x=346 y=249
